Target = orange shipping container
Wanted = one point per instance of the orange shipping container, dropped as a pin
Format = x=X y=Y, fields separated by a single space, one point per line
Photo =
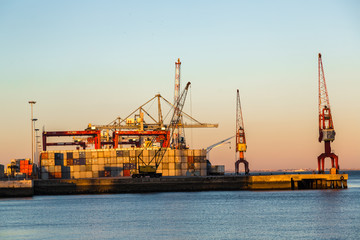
x=44 y=155
x=126 y=173
x=58 y=175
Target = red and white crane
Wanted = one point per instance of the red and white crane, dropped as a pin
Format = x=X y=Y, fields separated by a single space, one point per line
x=326 y=125
x=240 y=138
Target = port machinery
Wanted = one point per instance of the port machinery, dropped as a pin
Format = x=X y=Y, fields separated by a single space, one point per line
x=137 y=128
x=326 y=125
x=240 y=138
x=147 y=168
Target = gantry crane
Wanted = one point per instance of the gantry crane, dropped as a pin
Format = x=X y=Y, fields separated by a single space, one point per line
x=240 y=138
x=326 y=125
x=149 y=169
x=144 y=121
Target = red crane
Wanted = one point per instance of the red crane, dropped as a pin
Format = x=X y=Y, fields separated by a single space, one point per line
x=240 y=138
x=326 y=125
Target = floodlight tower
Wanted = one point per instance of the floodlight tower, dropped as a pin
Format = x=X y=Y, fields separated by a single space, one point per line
x=178 y=135
x=32 y=130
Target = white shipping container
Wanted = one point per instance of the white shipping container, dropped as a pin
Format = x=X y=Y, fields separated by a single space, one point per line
x=101 y=161
x=76 y=174
x=197 y=152
x=184 y=166
x=83 y=174
x=165 y=172
x=52 y=169
x=101 y=167
x=95 y=168
x=100 y=153
x=112 y=153
x=203 y=166
x=51 y=155
x=94 y=154
x=88 y=174
x=197 y=166
x=106 y=153
x=172 y=172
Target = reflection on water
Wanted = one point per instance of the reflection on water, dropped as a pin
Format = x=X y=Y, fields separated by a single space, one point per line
x=308 y=214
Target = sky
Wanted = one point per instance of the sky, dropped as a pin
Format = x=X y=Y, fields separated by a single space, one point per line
x=92 y=61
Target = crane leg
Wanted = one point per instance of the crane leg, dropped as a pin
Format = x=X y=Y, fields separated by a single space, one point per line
x=246 y=165
x=336 y=162
x=237 y=166
x=321 y=161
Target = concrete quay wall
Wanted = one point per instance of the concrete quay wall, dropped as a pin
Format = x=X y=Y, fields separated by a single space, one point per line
x=175 y=184
x=16 y=188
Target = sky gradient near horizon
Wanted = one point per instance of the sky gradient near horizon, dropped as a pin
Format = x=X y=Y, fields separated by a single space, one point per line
x=92 y=61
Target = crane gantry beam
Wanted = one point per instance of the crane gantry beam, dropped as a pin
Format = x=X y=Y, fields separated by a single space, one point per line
x=156 y=124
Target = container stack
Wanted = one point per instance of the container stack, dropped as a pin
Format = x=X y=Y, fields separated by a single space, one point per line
x=119 y=163
x=20 y=167
x=26 y=167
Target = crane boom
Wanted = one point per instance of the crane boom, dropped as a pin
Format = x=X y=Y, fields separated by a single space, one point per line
x=326 y=125
x=159 y=154
x=208 y=149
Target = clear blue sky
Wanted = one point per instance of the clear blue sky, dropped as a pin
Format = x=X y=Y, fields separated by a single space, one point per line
x=91 y=61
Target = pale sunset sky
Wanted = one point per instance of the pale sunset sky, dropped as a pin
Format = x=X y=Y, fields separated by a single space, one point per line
x=92 y=61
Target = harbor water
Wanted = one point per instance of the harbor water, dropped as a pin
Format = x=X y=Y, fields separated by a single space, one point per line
x=305 y=214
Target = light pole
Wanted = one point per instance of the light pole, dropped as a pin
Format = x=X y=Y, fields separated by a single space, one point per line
x=37 y=146
x=32 y=130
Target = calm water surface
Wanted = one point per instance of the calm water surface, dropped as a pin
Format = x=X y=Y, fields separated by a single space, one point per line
x=307 y=214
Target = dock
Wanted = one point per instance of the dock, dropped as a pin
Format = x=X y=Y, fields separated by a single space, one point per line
x=16 y=188
x=172 y=184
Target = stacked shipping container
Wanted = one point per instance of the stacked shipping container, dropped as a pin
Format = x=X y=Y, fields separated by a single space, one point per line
x=26 y=167
x=119 y=162
x=20 y=167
